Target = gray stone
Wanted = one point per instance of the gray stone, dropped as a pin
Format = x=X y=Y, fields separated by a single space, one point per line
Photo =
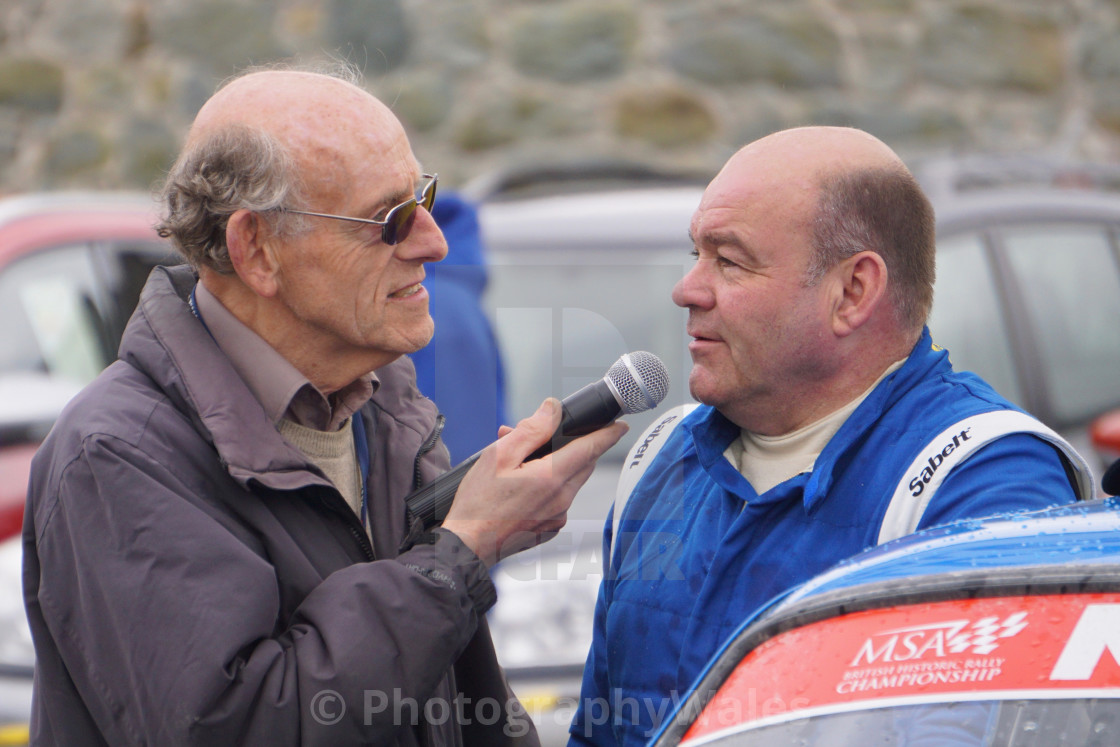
x=571 y=43
x=893 y=7
x=501 y=120
x=94 y=32
x=667 y=117
x=74 y=154
x=191 y=92
x=889 y=66
x=457 y=37
x=1101 y=57
x=105 y=87
x=979 y=45
x=31 y=84
x=373 y=33
x=761 y=122
x=502 y=81
x=895 y=125
x=486 y=128
x=1106 y=108
x=421 y=100
x=148 y=148
x=797 y=51
x=217 y=36
x=9 y=142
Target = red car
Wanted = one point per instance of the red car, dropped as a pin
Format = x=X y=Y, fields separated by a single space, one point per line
x=71 y=269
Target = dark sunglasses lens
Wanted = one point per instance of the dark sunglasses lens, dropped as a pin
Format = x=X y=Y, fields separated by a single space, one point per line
x=399 y=223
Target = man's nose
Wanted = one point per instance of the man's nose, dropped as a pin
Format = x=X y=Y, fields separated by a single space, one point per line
x=692 y=290
x=425 y=242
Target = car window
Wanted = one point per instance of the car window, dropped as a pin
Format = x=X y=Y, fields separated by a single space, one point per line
x=53 y=316
x=124 y=269
x=1071 y=287
x=966 y=317
x=562 y=324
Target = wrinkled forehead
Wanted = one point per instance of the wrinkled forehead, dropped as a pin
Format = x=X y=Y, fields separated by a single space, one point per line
x=762 y=183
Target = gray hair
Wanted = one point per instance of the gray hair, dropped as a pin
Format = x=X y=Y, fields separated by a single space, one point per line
x=882 y=210
x=228 y=170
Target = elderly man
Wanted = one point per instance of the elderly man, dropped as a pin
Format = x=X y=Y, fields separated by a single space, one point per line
x=217 y=549
x=830 y=421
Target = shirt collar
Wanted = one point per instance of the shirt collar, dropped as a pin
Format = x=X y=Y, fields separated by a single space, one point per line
x=280 y=388
x=713 y=433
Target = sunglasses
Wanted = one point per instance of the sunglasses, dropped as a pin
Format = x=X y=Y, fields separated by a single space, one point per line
x=398 y=221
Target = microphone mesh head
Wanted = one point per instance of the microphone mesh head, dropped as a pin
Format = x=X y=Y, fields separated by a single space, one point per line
x=641 y=381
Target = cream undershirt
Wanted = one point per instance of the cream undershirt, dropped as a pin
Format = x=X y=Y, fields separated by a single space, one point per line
x=767 y=461
x=331 y=451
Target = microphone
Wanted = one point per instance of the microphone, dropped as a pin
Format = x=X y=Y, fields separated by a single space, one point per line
x=635 y=383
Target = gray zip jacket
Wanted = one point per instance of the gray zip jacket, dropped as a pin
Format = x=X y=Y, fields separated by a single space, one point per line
x=190 y=578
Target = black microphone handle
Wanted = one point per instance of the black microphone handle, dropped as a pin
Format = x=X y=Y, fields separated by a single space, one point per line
x=584 y=411
x=431 y=503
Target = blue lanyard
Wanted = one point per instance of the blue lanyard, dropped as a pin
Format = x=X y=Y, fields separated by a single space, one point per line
x=361 y=445
x=197 y=314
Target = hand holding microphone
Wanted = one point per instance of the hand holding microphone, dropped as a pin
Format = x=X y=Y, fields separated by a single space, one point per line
x=635 y=383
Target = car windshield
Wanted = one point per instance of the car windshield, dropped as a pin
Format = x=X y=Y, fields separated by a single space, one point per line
x=1010 y=723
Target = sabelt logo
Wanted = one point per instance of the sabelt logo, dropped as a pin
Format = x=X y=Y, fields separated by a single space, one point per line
x=980 y=637
x=935 y=461
x=641 y=450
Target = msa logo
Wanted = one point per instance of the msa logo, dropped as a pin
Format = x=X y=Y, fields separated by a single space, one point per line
x=939 y=639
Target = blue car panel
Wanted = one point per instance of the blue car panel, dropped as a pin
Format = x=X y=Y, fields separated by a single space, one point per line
x=903 y=644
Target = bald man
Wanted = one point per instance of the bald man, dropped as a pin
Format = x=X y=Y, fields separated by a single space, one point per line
x=830 y=420
x=217 y=546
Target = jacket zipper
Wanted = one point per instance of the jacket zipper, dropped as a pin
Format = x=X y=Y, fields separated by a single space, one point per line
x=429 y=444
x=358 y=532
x=363 y=542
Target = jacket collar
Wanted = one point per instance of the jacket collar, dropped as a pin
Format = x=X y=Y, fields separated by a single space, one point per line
x=712 y=432
x=171 y=346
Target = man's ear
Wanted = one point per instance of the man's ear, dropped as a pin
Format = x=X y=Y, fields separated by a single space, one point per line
x=864 y=287
x=250 y=250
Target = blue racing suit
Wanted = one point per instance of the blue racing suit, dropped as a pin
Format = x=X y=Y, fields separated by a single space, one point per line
x=698 y=550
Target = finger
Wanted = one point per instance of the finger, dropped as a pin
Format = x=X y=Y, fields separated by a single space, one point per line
x=530 y=433
x=503 y=430
x=584 y=451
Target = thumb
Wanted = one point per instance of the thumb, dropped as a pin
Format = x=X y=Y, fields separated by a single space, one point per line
x=531 y=432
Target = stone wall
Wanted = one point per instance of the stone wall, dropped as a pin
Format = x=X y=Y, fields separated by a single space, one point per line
x=98 y=93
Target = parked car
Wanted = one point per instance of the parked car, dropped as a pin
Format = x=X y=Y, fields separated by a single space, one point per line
x=995 y=633
x=1028 y=286
x=71 y=269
